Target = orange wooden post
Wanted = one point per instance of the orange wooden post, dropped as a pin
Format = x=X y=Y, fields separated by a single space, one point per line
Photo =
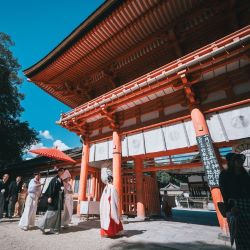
x=83 y=175
x=117 y=166
x=139 y=188
x=99 y=185
x=96 y=186
x=93 y=178
x=201 y=128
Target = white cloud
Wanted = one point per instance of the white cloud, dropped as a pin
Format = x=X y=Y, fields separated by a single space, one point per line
x=60 y=145
x=35 y=146
x=46 y=134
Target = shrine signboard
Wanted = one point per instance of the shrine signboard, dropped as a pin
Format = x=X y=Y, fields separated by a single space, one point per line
x=209 y=159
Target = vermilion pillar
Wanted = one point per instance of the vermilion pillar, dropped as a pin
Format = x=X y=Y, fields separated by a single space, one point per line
x=117 y=167
x=93 y=181
x=83 y=175
x=201 y=129
x=139 y=188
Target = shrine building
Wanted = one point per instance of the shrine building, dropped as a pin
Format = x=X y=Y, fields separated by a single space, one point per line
x=152 y=84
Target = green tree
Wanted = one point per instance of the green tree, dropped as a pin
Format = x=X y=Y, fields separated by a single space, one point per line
x=163 y=178
x=15 y=135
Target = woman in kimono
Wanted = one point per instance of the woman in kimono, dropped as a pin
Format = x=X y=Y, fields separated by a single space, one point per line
x=34 y=191
x=109 y=214
x=51 y=221
x=235 y=189
x=68 y=199
x=21 y=201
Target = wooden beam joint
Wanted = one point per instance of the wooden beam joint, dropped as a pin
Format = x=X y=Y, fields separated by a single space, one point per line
x=110 y=117
x=81 y=127
x=188 y=90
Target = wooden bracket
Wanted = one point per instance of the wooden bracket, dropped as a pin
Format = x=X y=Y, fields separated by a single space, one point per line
x=187 y=88
x=82 y=128
x=110 y=117
x=190 y=95
x=183 y=76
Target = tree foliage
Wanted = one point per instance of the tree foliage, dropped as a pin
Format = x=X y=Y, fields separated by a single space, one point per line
x=15 y=135
x=164 y=178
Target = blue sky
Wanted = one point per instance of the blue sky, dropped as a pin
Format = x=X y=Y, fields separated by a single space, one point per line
x=37 y=27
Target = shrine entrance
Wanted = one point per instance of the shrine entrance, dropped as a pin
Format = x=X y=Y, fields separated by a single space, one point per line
x=150 y=195
x=149 y=100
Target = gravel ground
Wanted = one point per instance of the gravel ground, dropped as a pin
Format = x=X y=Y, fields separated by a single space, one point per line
x=153 y=235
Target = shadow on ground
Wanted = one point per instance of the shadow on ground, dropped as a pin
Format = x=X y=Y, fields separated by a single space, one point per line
x=81 y=226
x=133 y=220
x=131 y=233
x=7 y=220
x=199 y=245
x=88 y=225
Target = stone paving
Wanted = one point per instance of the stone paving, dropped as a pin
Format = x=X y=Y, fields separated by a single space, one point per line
x=153 y=235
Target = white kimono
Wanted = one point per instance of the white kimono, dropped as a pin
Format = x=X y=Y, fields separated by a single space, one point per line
x=29 y=214
x=109 y=206
x=68 y=205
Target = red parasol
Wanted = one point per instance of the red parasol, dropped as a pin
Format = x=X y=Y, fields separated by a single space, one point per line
x=53 y=153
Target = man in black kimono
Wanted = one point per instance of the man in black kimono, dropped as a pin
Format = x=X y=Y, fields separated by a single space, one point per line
x=14 y=189
x=3 y=194
x=52 y=219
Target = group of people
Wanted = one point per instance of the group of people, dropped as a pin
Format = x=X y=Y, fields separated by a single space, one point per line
x=59 y=195
x=234 y=184
x=16 y=199
x=12 y=196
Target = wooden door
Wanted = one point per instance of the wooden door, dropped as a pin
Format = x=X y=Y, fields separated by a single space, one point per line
x=151 y=195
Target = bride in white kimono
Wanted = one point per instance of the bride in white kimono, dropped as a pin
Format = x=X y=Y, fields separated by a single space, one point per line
x=68 y=200
x=109 y=215
x=29 y=215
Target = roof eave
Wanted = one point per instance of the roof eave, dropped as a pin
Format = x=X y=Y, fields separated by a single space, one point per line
x=102 y=12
